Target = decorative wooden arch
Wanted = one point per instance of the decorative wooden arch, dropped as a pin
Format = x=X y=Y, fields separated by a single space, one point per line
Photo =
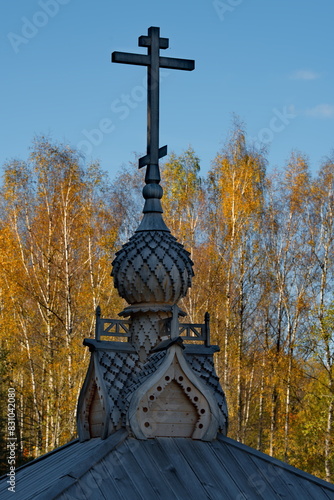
x=173 y=402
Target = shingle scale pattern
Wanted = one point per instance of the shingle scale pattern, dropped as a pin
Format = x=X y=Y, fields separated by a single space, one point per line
x=152 y=267
x=119 y=369
x=123 y=373
x=151 y=365
x=204 y=367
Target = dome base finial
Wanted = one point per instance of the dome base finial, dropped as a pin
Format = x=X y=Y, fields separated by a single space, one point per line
x=152 y=221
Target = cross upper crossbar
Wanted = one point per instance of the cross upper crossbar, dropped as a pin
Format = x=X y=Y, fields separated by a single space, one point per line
x=154 y=62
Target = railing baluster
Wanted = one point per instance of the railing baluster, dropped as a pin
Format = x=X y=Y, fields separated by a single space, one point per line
x=207 y=328
x=97 y=322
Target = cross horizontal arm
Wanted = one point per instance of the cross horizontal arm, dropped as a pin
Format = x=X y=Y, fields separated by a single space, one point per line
x=129 y=58
x=144 y=60
x=174 y=63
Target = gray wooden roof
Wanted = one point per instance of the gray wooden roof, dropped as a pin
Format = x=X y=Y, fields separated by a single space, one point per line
x=121 y=467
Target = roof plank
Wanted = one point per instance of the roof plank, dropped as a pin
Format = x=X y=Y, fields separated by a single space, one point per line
x=145 y=457
x=304 y=477
x=177 y=476
x=179 y=473
x=206 y=470
x=260 y=478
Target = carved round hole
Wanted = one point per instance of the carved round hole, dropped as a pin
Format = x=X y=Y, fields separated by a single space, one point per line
x=167 y=378
x=152 y=397
x=200 y=426
x=147 y=424
x=188 y=389
x=202 y=411
x=196 y=398
x=145 y=409
x=159 y=388
x=180 y=378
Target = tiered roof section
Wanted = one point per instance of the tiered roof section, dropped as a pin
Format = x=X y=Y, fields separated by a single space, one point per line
x=173 y=391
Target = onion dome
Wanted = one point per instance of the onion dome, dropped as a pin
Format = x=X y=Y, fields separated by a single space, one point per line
x=152 y=267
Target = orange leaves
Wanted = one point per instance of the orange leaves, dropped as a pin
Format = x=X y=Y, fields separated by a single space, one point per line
x=297 y=182
x=238 y=177
x=56 y=238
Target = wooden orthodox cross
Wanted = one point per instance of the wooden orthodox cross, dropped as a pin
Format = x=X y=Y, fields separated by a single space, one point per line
x=153 y=61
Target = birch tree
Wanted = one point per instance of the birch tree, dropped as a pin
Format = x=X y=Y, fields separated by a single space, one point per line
x=237 y=183
x=62 y=233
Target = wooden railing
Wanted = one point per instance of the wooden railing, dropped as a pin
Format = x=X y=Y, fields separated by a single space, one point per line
x=110 y=327
x=198 y=332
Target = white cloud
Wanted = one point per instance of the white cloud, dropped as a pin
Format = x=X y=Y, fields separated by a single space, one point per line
x=304 y=74
x=321 y=111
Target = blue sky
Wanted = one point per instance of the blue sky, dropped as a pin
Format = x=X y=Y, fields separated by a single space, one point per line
x=270 y=62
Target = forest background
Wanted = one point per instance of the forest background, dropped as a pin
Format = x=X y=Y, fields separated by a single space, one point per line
x=262 y=247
